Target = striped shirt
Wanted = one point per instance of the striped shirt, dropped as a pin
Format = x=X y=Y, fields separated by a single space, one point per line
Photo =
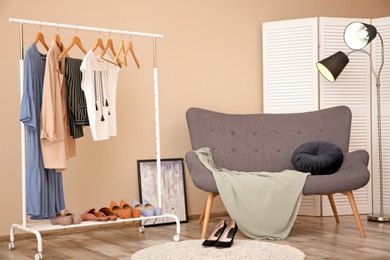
x=77 y=105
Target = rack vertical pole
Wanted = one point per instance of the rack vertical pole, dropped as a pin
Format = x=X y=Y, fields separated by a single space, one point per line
x=22 y=131
x=157 y=122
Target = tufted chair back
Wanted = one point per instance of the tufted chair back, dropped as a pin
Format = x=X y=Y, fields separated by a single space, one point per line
x=265 y=142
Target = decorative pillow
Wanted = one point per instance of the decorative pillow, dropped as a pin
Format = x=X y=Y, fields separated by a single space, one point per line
x=318 y=158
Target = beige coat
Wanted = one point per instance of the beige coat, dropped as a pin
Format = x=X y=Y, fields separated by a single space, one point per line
x=57 y=144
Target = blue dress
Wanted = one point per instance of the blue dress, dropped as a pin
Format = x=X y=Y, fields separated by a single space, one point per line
x=44 y=190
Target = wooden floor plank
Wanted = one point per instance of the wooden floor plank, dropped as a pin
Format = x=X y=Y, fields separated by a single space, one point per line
x=320 y=238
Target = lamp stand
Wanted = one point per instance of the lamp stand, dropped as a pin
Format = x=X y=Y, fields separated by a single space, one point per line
x=381 y=217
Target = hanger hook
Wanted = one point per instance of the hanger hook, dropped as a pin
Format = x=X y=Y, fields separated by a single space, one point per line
x=100 y=31
x=58 y=26
x=40 y=25
x=77 y=28
x=110 y=32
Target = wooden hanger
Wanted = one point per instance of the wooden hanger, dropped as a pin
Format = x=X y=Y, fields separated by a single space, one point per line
x=75 y=41
x=57 y=39
x=121 y=49
x=109 y=46
x=98 y=43
x=131 y=49
x=40 y=38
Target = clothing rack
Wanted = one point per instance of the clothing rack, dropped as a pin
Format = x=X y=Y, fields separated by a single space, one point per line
x=36 y=228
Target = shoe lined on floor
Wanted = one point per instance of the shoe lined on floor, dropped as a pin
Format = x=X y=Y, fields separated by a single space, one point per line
x=227 y=237
x=215 y=234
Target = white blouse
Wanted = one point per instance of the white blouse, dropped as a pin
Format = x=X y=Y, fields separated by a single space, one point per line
x=99 y=83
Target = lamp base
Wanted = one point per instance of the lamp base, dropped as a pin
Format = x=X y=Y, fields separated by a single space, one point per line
x=378 y=218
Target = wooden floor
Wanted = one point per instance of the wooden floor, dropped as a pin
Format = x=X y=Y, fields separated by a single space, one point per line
x=317 y=237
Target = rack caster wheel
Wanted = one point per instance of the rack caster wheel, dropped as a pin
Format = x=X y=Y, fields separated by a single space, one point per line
x=38 y=256
x=141 y=229
x=11 y=245
x=176 y=238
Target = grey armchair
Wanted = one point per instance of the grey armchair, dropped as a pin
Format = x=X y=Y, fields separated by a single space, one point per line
x=266 y=142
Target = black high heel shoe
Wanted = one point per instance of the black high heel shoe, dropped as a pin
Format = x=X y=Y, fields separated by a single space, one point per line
x=227 y=238
x=215 y=234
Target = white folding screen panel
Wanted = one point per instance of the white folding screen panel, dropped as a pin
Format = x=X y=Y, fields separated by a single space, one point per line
x=383 y=27
x=289 y=55
x=310 y=206
x=290 y=80
x=291 y=83
x=352 y=88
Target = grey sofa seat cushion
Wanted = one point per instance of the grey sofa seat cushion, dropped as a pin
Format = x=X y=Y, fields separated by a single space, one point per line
x=352 y=175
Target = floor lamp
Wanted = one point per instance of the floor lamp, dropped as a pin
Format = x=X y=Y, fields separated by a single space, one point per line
x=356 y=36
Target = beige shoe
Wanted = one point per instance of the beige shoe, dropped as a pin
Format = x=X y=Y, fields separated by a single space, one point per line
x=61 y=220
x=76 y=219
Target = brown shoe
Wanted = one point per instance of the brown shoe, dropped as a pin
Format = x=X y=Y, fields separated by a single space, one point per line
x=119 y=212
x=100 y=216
x=91 y=214
x=135 y=213
x=109 y=213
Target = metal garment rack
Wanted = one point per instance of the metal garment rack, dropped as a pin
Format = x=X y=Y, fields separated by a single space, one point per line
x=36 y=228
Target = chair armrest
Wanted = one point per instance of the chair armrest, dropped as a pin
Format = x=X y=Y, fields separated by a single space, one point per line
x=200 y=175
x=352 y=175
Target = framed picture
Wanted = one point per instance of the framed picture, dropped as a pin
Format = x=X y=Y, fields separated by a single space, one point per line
x=173 y=191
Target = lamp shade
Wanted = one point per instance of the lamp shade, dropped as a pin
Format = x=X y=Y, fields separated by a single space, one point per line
x=332 y=66
x=357 y=35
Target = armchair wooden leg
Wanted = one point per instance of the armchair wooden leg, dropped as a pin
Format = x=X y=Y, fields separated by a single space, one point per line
x=355 y=212
x=207 y=211
x=334 y=209
x=201 y=217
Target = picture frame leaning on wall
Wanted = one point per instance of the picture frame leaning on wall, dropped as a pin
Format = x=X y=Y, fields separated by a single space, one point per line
x=173 y=190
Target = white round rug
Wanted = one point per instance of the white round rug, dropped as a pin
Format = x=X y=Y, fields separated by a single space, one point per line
x=241 y=249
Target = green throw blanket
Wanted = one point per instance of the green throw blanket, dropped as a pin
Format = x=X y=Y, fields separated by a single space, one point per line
x=263 y=204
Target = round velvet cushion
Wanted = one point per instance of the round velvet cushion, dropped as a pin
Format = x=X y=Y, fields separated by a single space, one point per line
x=318 y=158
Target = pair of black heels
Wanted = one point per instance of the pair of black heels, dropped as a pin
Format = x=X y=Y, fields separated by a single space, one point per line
x=222 y=235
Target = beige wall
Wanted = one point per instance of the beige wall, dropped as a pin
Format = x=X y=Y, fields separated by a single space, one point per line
x=211 y=57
